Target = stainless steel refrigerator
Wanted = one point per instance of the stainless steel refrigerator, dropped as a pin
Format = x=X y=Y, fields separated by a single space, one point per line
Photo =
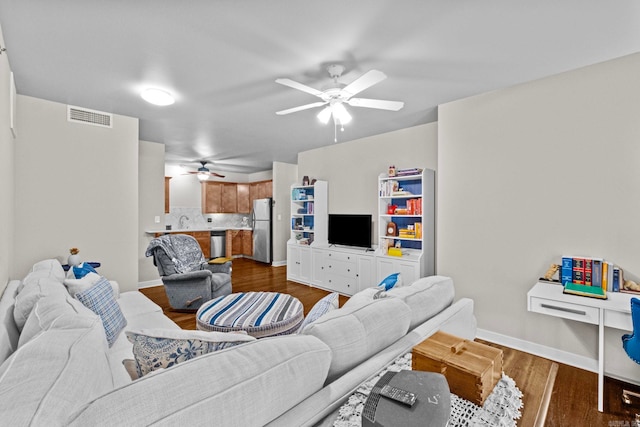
x=261 y=223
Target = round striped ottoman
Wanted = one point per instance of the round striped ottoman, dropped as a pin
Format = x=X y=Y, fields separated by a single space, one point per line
x=260 y=314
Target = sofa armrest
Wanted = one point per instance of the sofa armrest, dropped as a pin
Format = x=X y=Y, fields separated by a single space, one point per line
x=218 y=268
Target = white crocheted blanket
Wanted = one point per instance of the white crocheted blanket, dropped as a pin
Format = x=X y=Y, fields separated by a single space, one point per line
x=502 y=407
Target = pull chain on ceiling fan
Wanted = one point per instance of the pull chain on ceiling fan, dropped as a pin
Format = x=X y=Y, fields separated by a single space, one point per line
x=338 y=94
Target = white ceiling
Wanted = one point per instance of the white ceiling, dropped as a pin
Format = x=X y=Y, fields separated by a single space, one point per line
x=221 y=58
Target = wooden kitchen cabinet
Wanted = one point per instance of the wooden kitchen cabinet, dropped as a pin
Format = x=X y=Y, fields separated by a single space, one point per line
x=247 y=243
x=244 y=200
x=211 y=197
x=167 y=193
x=229 y=198
x=236 y=242
x=203 y=238
x=260 y=190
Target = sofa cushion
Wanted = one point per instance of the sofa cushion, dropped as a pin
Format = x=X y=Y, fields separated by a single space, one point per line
x=364 y=297
x=53 y=374
x=248 y=385
x=322 y=307
x=50 y=268
x=99 y=299
x=162 y=348
x=30 y=294
x=354 y=334
x=426 y=297
x=9 y=333
x=56 y=311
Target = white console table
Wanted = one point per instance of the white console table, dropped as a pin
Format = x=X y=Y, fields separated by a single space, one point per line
x=614 y=312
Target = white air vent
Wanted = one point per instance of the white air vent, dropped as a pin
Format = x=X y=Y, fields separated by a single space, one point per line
x=89 y=117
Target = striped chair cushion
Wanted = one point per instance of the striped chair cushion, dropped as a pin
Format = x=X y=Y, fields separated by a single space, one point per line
x=260 y=314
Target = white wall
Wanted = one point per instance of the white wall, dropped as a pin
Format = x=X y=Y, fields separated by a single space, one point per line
x=150 y=204
x=352 y=168
x=532 y=172
x=76 y=186
x=7 y=144
x=284 y=176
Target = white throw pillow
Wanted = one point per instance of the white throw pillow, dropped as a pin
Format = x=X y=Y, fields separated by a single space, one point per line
x=75 y=286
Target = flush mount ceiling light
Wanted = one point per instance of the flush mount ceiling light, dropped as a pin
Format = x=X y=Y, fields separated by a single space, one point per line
x=157 y=97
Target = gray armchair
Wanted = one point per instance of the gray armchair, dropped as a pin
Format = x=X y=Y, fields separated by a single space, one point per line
x=187 y=277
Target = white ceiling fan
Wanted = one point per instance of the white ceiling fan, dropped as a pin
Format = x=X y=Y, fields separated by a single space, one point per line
x=203 y=172
x=338 y=94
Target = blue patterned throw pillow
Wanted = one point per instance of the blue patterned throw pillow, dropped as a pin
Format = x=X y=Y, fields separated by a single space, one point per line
x=155 y=349
x=99 y=299
x=325 y=305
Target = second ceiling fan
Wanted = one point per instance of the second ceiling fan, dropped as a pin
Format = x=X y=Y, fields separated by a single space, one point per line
x=338 y=94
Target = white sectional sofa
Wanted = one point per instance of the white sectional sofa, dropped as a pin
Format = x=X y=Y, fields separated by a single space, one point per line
x=56 y=367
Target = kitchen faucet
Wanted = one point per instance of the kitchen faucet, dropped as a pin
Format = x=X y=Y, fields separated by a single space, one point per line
x=183 y=219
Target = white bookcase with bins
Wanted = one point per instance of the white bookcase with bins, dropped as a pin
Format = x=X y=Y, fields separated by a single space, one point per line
x=406 y=224
x=308 y=228
x=406 y=201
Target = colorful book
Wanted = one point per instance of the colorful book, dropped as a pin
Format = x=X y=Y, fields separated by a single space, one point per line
x=584 y=290
x=617 y=279
x=566 y=270
x=588 y=271
x=596 y=272
x=578 y=271
x=605 y=276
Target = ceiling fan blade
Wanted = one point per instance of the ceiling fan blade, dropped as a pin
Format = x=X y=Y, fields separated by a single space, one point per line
x=375 y=103
x=299 y=86
x=363 y=82
x=302 y=107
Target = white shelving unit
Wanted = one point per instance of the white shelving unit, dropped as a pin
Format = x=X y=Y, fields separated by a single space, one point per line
x=310 y=259
x=408 y=202
x=308 y=228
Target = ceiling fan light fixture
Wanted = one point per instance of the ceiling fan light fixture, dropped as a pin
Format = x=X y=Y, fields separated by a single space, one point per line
x=324 y=115
x=157 y=97
x=340 y=114
x=202 y=176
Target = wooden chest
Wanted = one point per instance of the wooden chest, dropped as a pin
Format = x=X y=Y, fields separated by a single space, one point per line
x=471 y=368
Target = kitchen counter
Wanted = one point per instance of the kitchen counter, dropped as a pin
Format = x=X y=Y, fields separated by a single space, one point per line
x=191 y=230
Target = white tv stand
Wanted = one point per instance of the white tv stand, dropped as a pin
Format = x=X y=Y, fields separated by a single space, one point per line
x=346 y=269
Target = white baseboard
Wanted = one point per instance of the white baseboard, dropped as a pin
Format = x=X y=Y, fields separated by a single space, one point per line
x=149 y=283
x=561 y=356
x=279 y=263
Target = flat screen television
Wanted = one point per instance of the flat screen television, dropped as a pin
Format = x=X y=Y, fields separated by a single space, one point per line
x=350 y=230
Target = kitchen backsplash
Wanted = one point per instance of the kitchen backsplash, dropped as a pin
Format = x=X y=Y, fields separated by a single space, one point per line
x=193 y=218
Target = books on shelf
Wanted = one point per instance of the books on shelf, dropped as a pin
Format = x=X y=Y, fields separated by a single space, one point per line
x=592 y=272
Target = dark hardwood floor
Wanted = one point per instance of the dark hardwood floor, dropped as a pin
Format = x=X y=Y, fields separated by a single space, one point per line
x=571 y=392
